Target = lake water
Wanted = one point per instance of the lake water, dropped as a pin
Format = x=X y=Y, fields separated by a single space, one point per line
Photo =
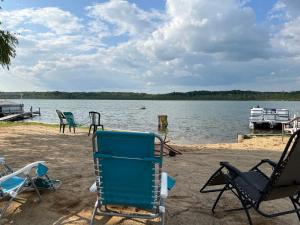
x=189 y=121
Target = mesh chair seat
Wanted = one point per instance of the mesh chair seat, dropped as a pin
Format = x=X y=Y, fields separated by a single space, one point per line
x=12 y=183
x=253 y=183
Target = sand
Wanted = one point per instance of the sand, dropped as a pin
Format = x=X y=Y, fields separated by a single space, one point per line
x=69 y=158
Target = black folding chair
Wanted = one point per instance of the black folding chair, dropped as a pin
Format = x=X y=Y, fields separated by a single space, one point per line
x=254 y=187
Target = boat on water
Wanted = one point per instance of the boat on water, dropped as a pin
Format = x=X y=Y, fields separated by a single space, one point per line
x=267 y=118
x=8 y=108
x=11 y=111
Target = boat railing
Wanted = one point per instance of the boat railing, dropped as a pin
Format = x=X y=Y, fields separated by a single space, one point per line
x=291 y=126
x=269 y=115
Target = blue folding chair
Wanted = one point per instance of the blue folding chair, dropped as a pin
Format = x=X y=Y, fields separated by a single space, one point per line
x=128 y=173
x=13 y=183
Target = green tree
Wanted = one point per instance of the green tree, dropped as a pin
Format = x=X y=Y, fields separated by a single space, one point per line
x=8 y=42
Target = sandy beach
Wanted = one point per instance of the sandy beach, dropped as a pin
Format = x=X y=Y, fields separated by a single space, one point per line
x=69 y=158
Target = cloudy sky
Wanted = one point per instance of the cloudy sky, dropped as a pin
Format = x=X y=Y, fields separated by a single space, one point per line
x=153 y=46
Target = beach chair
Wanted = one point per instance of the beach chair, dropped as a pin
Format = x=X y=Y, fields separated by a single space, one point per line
x=255 y=187
x=71 y=121
x=15 y=182
x=128 y=173
x=62 y=121
x=95 y=121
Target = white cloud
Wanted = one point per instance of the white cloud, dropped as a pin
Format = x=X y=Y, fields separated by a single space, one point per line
x=55 y=19
x=222 y=28
x=126 y=17
x=195 y=44
x=285 y=10
x=288 y=38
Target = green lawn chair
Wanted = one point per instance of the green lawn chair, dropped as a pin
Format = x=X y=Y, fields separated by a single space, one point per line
x=71 y=121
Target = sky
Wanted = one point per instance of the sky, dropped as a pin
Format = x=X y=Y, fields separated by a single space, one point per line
x=156 y=46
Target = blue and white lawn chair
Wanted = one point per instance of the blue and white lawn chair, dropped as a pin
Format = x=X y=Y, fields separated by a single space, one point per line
x=13 y=183
x=128 y=173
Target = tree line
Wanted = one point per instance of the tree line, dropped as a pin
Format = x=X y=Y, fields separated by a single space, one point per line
x=193 y=95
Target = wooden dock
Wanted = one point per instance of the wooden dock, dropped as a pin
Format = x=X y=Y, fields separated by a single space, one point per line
x=20 y=116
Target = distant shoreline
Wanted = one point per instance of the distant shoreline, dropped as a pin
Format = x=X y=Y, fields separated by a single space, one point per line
x=236 y=95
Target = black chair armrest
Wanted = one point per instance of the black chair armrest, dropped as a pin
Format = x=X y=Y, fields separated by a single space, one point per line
x=270 y=162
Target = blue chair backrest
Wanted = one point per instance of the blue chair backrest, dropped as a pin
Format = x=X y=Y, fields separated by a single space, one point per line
x=70 y=118
x=127 y=168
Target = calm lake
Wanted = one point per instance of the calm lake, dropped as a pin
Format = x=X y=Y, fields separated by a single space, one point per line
x=190 y=122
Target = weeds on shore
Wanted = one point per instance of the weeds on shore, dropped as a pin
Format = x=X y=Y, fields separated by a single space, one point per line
x=21 y=123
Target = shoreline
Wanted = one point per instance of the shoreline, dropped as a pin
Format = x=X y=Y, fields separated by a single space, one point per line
x=247 y=142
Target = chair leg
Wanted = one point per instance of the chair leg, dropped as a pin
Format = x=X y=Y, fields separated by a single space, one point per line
x=74 y=129
x=218 y=198
x=163 y=219
x=102 y=127
x=94 y=212
x=90 y=130
x=95 y=128
x=295 y=206
x=245 y=208
x=64 y=126
x=69 y=128
x=60 y=125
x=35 y=188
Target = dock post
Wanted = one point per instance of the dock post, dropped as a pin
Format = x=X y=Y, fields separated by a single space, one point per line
x=39 y=111
x=162 y=122
x=31 y=112
x=240 y=138
x=282 y=131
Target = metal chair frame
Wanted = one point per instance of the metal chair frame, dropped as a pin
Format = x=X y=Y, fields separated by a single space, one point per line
x=226 y=176
x=62 y=121
x=95 y=121
x=104 y=210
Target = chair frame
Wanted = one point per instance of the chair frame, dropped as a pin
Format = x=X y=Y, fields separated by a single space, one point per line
x=62 y=121
x=160 y=209
x=28 y=183
x=227 y=173
x=71 y=120
x=93 y=124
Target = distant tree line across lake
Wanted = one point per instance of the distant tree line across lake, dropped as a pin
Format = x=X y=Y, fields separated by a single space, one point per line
x=193 y=95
